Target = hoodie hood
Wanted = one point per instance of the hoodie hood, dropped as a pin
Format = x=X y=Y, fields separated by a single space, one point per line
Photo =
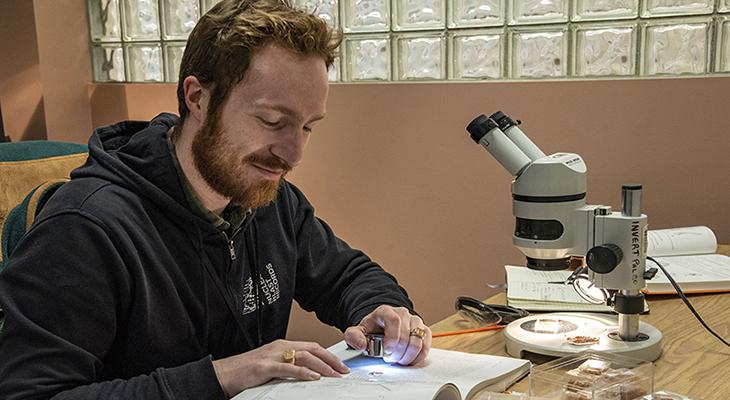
x=135 y=155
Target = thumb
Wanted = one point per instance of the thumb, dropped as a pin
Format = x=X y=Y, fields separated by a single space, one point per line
x=355 y=337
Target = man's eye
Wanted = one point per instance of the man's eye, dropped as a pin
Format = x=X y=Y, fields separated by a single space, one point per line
x=272 y=124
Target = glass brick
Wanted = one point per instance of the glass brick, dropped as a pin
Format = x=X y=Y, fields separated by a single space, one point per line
x=537 y=53
x=367 y=58
x=333 y=73
x=539 y=11
x=108 y=62
x=724 y=6
x=419 y=14
x=586 y=10
x=605 y=50
x=421 y=57
x=179 y=18
x=472 y=13
x=104 y=20
x=676 y=47
x=659 y=8
x=208 y=4
x=723 y=45
x=477 y=54
x=366 y=15
x=325 y=9
x=144 y=62
x=173 y=56
x=141 y=20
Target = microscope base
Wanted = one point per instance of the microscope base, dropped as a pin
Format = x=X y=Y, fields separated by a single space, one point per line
x=552 y=334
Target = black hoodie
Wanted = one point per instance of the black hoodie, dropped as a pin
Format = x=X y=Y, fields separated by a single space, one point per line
x=120 y=291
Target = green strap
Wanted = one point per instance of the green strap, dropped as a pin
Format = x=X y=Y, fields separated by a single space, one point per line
x=21 y=217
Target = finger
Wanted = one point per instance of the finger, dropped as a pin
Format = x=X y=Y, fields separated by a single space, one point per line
x=327 y=357
x=396 y=331
x=424 y=349
x=314 y=363
x=412 y=351
x=355 y=337
x=286 y=370
x=415 y=343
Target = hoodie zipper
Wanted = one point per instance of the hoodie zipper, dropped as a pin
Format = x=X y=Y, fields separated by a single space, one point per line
x=231 y=249
x=255 y=277
x=231 y=245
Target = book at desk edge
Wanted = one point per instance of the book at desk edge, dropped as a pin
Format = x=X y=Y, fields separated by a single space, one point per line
x=448 y=375
x=701 y=273
x=689 y=256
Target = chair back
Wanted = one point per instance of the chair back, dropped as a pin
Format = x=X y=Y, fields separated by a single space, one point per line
x=29 y=174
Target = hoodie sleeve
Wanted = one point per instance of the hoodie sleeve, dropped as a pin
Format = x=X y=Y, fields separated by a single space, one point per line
x=64 y=293
x=341 y=284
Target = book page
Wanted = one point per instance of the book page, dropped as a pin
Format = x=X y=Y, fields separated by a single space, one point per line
x=443 y=376
x=529 y=284
x=681 y=241
x=531 y=289
x=697 y=273
x=552 y=306
x=464 y=370
x=349 y=389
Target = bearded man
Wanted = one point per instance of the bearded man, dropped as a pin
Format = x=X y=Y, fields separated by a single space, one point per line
x=166 y=268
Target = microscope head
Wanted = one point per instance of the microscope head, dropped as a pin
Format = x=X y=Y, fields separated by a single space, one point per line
x=546 y=191
x=545 y=198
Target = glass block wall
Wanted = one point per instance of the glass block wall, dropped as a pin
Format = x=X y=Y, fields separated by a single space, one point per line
x=437 y=40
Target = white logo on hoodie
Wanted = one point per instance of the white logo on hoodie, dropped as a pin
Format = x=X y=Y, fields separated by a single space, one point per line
x=268 y=289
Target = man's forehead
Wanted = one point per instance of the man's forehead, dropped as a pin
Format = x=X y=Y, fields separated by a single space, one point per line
x=280 y=79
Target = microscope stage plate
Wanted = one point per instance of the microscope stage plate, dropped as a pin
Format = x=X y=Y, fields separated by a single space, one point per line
x=552 y=334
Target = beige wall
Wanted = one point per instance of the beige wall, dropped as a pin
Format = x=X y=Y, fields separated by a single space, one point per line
x=45 y=68
x=394 y=172
x=21 y=92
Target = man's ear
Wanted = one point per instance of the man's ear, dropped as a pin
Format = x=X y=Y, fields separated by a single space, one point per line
x=196 y=98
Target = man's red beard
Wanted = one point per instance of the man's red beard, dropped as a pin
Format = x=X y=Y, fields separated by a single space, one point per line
x=225 y=171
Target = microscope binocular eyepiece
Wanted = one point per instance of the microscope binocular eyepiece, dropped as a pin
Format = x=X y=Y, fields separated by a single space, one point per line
x=480 y=126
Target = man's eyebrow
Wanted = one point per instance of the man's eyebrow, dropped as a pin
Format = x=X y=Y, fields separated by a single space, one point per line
x=285 y=110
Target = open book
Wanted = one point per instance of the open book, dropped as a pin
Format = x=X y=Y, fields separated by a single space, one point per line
x=445 y=375
x=688 y=255
x=542 y=291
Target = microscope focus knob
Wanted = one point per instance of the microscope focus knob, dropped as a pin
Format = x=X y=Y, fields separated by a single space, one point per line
x=604 y=258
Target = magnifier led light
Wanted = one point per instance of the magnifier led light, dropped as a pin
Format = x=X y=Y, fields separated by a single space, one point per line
x=588 y=291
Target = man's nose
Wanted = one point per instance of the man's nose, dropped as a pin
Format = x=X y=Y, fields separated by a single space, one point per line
x=291 y=147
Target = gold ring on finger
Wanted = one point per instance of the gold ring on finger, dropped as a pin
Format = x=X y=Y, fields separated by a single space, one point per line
x=420 y=332
x=289 y=356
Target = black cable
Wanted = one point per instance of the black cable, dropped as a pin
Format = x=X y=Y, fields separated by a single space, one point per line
x=686 y=301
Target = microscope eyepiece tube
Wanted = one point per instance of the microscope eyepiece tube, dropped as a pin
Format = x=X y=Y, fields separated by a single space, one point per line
x=486 y=132
x=631 y=200
x=515 y=134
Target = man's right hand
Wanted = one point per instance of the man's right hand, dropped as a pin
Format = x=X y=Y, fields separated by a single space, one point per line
x=265 y=363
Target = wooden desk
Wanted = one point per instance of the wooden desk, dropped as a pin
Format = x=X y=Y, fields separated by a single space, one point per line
x=693 y=362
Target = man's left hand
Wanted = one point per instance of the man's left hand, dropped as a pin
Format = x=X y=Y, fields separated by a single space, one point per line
x=406 y=338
